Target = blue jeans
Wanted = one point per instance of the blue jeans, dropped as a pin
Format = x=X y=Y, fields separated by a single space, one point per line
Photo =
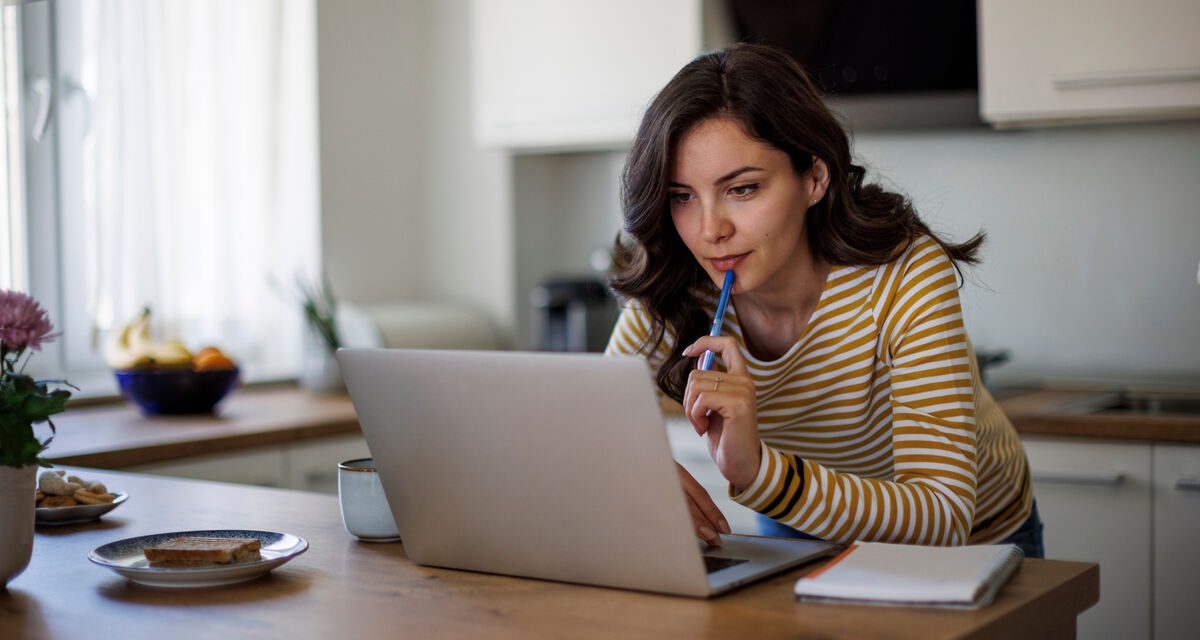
x=1028 y=537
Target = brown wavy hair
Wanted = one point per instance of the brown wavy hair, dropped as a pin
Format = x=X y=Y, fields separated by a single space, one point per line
x=776 y=102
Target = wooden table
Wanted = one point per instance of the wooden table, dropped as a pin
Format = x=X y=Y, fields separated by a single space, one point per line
x=347 y=589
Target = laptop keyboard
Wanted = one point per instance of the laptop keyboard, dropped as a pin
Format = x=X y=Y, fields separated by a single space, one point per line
x=712 y=564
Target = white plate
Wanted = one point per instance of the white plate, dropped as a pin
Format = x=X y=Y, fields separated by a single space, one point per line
x=126 y=557
x=80 y=513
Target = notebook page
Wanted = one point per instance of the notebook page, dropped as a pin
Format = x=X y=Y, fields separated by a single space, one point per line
x=913 y=574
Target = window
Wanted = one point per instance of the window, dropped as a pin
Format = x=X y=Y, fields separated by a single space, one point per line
x=184 y=175
x=12 y=237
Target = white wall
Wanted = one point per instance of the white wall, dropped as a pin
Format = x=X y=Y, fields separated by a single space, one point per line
x=470 y=248
x=411 y=209
x=1094 y=239
x=374 y=109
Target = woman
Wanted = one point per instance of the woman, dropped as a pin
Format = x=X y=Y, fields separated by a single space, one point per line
x=847 y=403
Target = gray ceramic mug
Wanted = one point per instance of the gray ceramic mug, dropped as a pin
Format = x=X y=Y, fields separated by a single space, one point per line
x=365 y=510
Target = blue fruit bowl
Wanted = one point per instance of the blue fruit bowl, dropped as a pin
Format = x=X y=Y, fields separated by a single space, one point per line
x=176 y=391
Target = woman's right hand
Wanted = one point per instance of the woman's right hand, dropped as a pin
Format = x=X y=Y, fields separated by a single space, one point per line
x=707 y=519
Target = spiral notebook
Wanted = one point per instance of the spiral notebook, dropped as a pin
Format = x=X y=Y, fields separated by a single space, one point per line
x=910 y=575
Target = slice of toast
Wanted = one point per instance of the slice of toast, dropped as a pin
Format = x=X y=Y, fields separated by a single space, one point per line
x=197 y=551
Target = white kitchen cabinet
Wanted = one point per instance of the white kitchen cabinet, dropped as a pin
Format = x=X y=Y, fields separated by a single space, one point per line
x=574 y=75
x=1176 y=532
x=1062 y=61
x=312 y=464
x=306 y=465
x=263 y=466
x=1094 y=497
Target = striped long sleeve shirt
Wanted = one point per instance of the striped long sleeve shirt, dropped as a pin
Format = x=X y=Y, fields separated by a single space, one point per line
x=874 y=425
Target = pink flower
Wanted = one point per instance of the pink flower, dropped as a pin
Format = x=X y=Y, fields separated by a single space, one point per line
x=23 y=322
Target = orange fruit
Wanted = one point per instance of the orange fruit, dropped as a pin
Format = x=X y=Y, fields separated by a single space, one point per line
x=205 y=351
x=211 y=359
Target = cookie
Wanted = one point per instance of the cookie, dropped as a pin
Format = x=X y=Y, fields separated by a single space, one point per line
x=83 y=496
x=53 y=483
x=59 y=501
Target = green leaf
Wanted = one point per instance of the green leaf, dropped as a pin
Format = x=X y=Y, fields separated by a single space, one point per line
x=26 y=402
x=22 y=383
x=39 y=407
x=18 y=447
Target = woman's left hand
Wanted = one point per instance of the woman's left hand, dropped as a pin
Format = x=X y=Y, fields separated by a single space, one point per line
x=723 y=405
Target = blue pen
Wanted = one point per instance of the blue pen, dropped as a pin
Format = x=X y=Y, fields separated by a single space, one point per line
x=706 y=361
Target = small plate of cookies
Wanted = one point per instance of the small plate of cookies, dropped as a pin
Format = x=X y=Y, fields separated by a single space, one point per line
x=63 y=499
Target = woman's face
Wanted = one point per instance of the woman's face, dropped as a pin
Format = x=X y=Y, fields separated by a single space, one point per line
x=738 y=204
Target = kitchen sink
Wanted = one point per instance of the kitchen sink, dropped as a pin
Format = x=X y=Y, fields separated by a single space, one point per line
x=1159 y=403
x=1004 y=392
x=1148 y=403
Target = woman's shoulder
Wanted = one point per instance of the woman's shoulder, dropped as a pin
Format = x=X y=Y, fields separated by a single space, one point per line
x=921 y=245
x=634 y=315
x=919 y=261
x=921 y=254
x=635 y=331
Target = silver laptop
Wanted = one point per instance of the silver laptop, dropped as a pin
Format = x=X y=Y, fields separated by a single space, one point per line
x=549 y=466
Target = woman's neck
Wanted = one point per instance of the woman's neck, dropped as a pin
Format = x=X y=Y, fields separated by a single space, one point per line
x=773 y=318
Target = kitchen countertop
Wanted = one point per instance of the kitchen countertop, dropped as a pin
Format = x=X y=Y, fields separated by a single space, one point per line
x=1062 y=412
x=341 y=587
x=116 y=436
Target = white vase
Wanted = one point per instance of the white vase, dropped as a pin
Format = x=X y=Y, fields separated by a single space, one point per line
x=320 y=372
x=16 y=520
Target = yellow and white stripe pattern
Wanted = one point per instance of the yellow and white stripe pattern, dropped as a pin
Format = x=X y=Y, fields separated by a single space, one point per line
x=874 y=424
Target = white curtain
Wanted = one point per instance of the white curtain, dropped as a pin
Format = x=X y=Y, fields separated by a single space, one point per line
x=11 y=236
x=197 y=175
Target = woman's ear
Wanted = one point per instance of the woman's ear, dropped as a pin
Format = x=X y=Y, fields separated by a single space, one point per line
x=818 y=176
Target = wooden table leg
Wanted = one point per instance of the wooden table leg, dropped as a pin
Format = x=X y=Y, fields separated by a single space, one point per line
x=1063 y=631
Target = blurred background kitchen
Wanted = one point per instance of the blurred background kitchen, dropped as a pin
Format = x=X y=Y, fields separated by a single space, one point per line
x=452 y=156
x=453 y=168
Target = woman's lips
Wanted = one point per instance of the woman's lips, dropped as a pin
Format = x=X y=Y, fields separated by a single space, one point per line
x=727 y=263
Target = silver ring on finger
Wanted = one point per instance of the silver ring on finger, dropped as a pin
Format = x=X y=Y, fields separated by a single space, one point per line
x=716 y=383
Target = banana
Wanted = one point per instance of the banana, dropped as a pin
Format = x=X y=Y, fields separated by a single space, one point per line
x=171 y=353
x=141 y=345
x=131 y=346
x=119 y=350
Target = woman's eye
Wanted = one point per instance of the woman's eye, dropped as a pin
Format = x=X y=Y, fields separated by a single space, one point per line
x=744 y=189
x=680 y=197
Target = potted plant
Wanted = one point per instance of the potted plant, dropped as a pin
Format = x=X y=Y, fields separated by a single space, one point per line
x=319 y=371
x=24 y=402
